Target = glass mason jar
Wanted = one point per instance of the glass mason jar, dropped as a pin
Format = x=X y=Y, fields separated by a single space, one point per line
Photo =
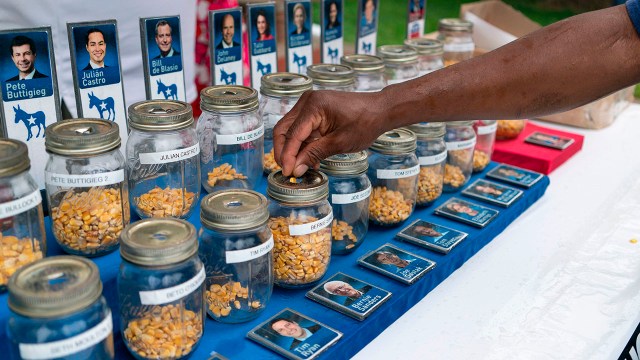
x=236 y=248
x=430 y=54
x=58 y=311
x=160 y=289
x=300 y=220
x=22 y=235
x=349 y=194
x=163 y=161
x=432 y=155
x=369 y=72
x=456 y=34
x=86 y=186
x=393 y=170
x=331 y=77
x=400 y=63
x=231 y=137
x=280 y=92
x=460 y=139
x=509 y=129
x=485 y=140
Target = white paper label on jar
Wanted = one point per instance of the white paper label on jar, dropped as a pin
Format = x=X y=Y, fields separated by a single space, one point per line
x=461 y=145
x=70 y=346
x=164 y=157
x=398 y=173
x=18 y=206
x=163 y=296
x=456 y=47
x=310 y=228
x=340 y=199
x=238 y=256
x=88 y=180
x=433 y=159
x=486 y=130
x=245 y=137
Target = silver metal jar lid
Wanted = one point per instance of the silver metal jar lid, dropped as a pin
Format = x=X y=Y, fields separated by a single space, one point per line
x=228 y=98
x=428 y=130
x=311 y=187
x=285 y=84
x=397 y=141
x=363 y=63
x=159 y=241
x=160 y=115
x=14 y=157
x=233 y=210
x=460 y=123
x=395 y=54
x=454 y=24
x=345 y=164
x=331 y=74
x=426 y=46
x=54 y=287
x=82 y=137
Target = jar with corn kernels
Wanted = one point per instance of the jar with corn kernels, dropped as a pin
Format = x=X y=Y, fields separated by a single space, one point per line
x=509 y=129
x=485 y=140
x=456 y=35
x=231 y=137
x=22 y=235
x=236 y=249
x=369 y=72
x=432 y=155
x=160 y=289
x=300 y=219
x=400 y=63
x=349 y=195
x=331 y=77
x=58 y=311
x=430 y=54
x=86 y=185
x=280 y=92
x=460 y=139
x=393 y=171
x=163 y=159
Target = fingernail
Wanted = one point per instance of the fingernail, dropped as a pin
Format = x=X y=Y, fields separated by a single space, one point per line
x=300 y=169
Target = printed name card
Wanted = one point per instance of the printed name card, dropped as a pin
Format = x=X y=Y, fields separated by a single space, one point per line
x=298 y=30
x=367 y=27
x=263 y=50
x=332 y=40
x=415 y=19
x=226 y=41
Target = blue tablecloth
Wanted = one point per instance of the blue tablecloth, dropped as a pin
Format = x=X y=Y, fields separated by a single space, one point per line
x=230 y=341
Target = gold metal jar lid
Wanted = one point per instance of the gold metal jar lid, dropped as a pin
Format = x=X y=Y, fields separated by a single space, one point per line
x=234 y=210
x=160 y=115
x=54 y=287
x=429 y=130
x=331 y=74
x=454 y=24
x=228 y=98
x=397 y=54
x=158 y=241
x=395 y=142
x=345 y=164
x=311 y=187
x=285 y=84
x=460 y=123
x=363 y=63
x=14 y=157
x=82 y=137
x=426 y=46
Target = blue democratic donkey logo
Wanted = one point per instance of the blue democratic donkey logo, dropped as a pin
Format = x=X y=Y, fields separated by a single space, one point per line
x=102 y=106
x=30 y=120
x=264 y=69
x=333 y=55
x=301 y=61
x=366 y=47
x=170 y=91
x=229 y=78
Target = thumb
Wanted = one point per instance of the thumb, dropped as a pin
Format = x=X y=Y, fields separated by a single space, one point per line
x=311 y=155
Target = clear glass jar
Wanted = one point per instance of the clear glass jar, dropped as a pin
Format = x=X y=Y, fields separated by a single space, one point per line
x=432 y=155
x=430 y=54
x=280 y=92
x=456 y=35
x=300 y=220
x=393 y=170
x=509 y=129
x=369 y=72
x=160 y=289
x=236 y=249
x=58 y=311
x=22 y=235
x=460 y=139
x=331 y=77
x=231 y=137
x=86 y=186
x=400 y=63
x=349 y=195
x=485 y=140
x=163 y=159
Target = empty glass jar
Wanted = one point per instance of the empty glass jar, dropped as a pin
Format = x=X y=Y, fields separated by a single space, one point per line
x=485 y=140
x=432 y=155
x=331 y=77
x=456 y=35
x=461 y=140
x=369 y=72
x=400 y=63
x=430 y=54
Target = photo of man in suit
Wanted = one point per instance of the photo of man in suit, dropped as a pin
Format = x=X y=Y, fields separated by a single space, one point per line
x=289 y=328
x=97 y=48
x=341 y=288
x=23 y=54
x=164 y=40
x=228 y=30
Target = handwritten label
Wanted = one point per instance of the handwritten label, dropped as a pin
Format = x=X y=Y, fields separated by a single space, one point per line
x=255 y=252
x=486 y=130
x=459 y=47
x=89 y=180
x=164 y=157
x=433 y=159
x=15 y=207
x=461 y=145
x=339 y=199
x=398 y=173
x=309 y=228
x=163 y=296
x=242 y=138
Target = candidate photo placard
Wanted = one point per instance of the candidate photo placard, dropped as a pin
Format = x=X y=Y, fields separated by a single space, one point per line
x=225 y=41
x=298 y=30
x=332 y=40
x=415 y=19
x=263 y=50
x=367 y=36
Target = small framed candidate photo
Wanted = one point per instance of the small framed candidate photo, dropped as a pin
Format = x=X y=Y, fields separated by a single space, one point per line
x=492 y=192
x=367 y=17
x=262 y=27
x=332 y=19
x=226 y=44
x=432 y=236
x=299 y=22
x=514 y=175
x=467 y=212
x=94 y=47
x=350 y=296
x=294 y=335
x=397 y=264
x=162 y=35
x=29 y=58
x=549 y=140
